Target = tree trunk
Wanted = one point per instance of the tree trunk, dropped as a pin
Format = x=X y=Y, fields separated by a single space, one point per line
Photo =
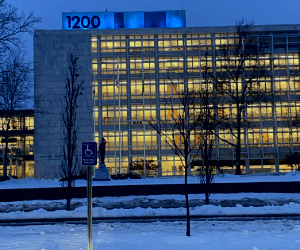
x=69 y=194
x=207 y=183
x=5 y=158
x=206 y=196
x=238 y=160
x=188 y=226
x=238 y=144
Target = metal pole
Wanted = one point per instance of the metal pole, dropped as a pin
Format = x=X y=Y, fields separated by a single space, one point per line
x=94 y=96
x=120 y=140
x=144 y=125
x=89 y=210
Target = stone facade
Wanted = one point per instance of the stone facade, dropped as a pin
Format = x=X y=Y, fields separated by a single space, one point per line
x=50 y=57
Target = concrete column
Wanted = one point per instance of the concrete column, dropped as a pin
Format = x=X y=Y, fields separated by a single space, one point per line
x=159 y=168
x=10 y=166
x=2 y=163
x=16 y=168
x=247 y=165
x=277 y=165
x=22 y=174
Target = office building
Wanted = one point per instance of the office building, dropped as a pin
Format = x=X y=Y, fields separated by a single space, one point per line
x=143 y=47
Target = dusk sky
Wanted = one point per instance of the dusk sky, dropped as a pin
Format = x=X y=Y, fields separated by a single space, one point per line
x=198 y=12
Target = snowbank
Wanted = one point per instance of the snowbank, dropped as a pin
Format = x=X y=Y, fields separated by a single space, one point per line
x=207 y=210
x=225 y=178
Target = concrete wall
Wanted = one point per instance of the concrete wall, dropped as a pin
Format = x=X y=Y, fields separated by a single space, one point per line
x=50 y=57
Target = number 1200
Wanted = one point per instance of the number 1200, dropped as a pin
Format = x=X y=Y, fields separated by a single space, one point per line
x=84 y=22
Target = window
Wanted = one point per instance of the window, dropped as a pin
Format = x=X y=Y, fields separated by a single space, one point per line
x=254 y=138
x=281 y=85
x=110 y=90
x=266 y=112
x=137 y=112
x=171 y=165
x=280 y=61
x=194 y=84
x=282 y=111
x=137 y=65
x=139 y=137
x=283 y=136
x=110 y=65
x=267 y=137
x=113 y=140
x=168 y=89
x=193 y=64
x=170 y=45
x=171 y=65
x=110 y=115
x=136 y=89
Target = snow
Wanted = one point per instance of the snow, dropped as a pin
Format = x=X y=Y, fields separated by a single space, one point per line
x=205 y=235
x=226 y=178
x=205 y=210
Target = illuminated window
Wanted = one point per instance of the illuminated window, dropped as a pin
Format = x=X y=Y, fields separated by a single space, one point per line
x=193 y=84
x=138 y=137
x=295 y=84
x=171 y=165
x=137 y=65
x=281 y=84
x=170 y=89
x=110 y=115
x=138 y=111
x=113 y=139
x=171 y=65
x=136 y=88
x=110 y=65
x=193 y=64
x=110 y=90
x=282 y=111
x=284 y=138
x=266 y=111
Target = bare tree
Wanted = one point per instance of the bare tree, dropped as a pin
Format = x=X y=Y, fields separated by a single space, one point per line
x=208 y=124
x=15 y=93
x=180 y=129
x=238 y=72
x=70 y=157
x=12 y=25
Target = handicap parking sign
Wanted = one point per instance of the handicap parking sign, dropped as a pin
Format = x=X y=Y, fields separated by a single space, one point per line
x=89 y=154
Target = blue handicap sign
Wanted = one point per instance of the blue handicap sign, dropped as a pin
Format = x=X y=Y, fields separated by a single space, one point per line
x=89 y=154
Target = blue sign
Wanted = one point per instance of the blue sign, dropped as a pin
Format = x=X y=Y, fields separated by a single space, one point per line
x=89 y=154
x=119 y=20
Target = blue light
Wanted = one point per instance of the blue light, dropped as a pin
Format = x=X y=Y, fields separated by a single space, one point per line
x=119 y=20
x=175 y=19
x=133 y=20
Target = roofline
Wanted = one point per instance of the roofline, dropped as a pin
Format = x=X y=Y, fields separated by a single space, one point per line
x=18 y=112
x=205 y=29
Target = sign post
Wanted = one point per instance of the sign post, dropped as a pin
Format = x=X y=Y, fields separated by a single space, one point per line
x=89 y=158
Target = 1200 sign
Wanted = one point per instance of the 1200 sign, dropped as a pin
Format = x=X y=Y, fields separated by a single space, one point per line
x=76 y=22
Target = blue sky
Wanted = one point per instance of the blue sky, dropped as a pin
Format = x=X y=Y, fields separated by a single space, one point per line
x=198 y=12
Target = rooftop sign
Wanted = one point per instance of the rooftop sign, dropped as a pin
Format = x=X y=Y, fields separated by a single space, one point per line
x=119 y=20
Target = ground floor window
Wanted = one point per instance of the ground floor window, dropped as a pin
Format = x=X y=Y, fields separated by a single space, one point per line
x=171 y=165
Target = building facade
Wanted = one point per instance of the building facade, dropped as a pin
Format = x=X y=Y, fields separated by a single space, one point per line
x=140 y=56
x=20 y=143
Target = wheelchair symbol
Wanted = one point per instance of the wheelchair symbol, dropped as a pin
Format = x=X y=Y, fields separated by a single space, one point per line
x=88 y=152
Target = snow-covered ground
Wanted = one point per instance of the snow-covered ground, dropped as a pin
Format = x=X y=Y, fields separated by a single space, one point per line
x=205 y=210
x=154 y=206
x=226 y=178
x=206 y=235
